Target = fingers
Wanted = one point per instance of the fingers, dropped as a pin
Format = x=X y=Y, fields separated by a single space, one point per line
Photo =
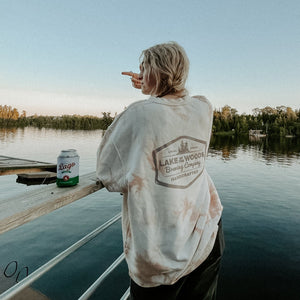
x=132 y=74
x=136 y=82
x=128 y=73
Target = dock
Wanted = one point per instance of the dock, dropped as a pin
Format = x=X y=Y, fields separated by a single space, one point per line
x=26 y=207
x=12 y=165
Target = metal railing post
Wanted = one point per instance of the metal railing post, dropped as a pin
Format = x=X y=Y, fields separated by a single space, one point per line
x=95 y=285
x=126 y=294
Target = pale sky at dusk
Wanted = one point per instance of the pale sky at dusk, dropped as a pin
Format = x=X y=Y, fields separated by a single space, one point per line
x=66 y=56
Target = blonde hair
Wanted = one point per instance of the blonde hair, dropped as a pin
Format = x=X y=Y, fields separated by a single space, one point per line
x=168 y=66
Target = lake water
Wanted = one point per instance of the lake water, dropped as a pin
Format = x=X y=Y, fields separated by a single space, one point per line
x=259 y=185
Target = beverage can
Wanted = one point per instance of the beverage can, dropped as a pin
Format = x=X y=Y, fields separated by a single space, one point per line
x=67 y=168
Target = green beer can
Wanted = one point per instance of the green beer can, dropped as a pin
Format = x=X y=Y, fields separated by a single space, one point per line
x=67 y=168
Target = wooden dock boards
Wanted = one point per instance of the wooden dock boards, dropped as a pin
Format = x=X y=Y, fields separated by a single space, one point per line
x=12 y=165
x=29 y=206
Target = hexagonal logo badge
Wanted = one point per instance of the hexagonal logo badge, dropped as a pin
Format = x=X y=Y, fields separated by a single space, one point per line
x=180 y=162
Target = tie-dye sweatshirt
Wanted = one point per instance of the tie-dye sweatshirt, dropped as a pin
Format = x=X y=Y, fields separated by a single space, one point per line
x=154 y=153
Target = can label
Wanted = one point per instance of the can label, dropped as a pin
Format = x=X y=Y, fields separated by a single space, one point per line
x=67 y=169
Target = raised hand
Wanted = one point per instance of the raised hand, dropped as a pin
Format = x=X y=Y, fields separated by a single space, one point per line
x=135 y=79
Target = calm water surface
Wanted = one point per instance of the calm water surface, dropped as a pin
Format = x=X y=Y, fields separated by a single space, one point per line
x=258 y=182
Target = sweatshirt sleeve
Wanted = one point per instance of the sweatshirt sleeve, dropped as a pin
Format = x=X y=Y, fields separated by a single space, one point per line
x=109 y=167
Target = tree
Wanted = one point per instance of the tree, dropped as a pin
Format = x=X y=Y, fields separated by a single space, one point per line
x=107 y=119
x=269 y=110
x=226 y=112
x=256 y=111
x=291 y=115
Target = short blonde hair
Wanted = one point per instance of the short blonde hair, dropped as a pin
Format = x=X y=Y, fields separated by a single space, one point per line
x=168 y=66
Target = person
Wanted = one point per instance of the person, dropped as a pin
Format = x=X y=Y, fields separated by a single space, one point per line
x=154 y=153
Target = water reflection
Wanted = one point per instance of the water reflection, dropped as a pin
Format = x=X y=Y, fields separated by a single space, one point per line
x=281 y=149
x=7 y=134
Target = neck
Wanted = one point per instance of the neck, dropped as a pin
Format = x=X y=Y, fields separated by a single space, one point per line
x=174 y=96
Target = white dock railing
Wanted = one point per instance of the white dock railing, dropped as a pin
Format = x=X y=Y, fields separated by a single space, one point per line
x=81 y=190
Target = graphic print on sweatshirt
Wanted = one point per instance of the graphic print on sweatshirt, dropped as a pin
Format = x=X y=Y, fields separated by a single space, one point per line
x=179 y=162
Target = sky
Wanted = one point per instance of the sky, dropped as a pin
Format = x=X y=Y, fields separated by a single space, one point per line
x=66 y=56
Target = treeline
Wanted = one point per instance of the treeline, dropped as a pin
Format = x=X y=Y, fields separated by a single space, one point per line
x=10 y=117
x=279 y=121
